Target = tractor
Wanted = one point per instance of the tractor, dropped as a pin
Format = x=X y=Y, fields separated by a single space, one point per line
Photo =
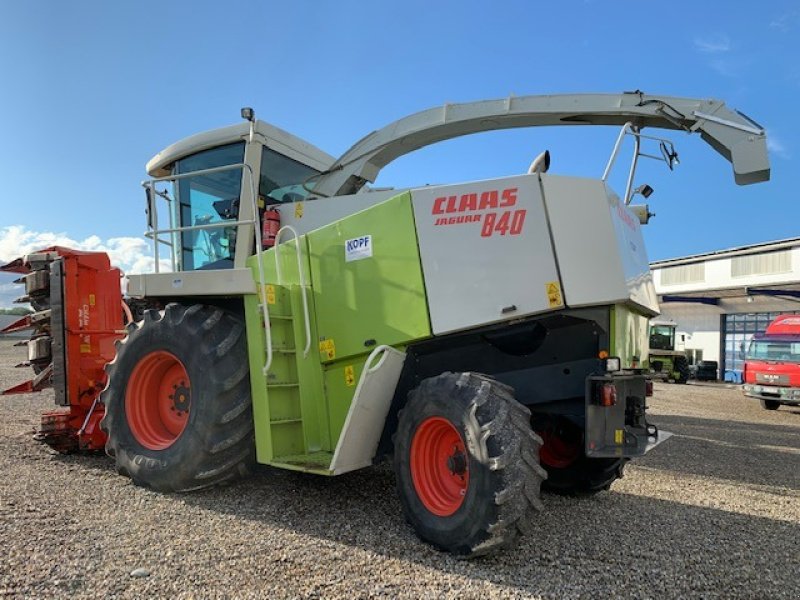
x=485 y=338
x=666 y=362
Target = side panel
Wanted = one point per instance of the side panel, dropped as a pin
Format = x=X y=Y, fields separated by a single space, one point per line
x=365 y=420
x=599 y=245
x=220 y=282
x=368 y=292
x=486 y=252
x=313 y=214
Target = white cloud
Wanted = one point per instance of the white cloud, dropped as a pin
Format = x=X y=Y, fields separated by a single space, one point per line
x=713 y=44
x=786 y=21
x=776 y=146
x=132 y=255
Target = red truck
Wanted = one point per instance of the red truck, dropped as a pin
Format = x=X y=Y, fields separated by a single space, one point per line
x=772 y=364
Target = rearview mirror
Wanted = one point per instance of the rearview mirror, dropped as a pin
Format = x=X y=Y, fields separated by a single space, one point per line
x=148 y=209
x=669 y=153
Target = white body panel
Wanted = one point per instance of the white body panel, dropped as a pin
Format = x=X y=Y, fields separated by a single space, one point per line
x=476 y=273
x=599 y=245
x=578 y=245
x=310 y=215
x=222 y=282
x=364 y=423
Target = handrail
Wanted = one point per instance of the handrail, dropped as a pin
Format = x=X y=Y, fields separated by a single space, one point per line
x=632 y=130
x=152 y=209
x=214 y=225
x=155 y=232
x=306 y=314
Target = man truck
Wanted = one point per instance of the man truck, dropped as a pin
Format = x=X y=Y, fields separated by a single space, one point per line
x=772 y=364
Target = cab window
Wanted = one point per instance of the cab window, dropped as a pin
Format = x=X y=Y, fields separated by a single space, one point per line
x=282 y=178
x=205 y=199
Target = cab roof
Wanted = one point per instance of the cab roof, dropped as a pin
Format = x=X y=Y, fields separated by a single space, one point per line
x=277 y=139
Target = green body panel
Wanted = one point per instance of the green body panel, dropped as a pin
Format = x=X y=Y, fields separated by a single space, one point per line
x=340 y=390
x=667 y=359
x=667 y=363
x=300 y=406
x=375 y=300
x=629 y=336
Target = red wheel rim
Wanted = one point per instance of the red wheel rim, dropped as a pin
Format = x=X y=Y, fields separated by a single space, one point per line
x=559 y=451
x=439 y=466
x=158 y=400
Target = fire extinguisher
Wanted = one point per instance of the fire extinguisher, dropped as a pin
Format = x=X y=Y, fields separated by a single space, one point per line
x=270 y=225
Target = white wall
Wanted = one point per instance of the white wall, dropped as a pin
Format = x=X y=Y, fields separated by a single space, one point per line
x=699 y=323
x=718 y=276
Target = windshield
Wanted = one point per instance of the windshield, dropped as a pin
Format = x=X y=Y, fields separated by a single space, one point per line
x=787 y=350
x=662 y=337
x=205 y=199
x=282 y=178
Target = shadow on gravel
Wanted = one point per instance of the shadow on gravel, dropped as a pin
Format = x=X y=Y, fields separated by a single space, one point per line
x=607 y=545
x=752 y=453
x=614 y=544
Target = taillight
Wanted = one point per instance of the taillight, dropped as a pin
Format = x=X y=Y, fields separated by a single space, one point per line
x=648 y=387
x=608 y=394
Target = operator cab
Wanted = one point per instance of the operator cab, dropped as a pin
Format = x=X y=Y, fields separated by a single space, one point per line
x=662 y=336
x=227 y=162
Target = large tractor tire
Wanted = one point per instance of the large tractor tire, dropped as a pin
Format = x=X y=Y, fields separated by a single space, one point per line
x=569 y=471
x=178 y=408
x=680 y=368
x=467 y=463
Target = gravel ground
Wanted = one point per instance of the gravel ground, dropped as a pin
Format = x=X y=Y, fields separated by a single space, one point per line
x=713 y=512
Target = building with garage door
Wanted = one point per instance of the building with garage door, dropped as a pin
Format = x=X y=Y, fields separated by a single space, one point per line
x=718 y=300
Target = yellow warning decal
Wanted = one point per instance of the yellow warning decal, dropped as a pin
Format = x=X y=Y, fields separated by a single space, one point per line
x=86 y=348
x=619 y=437
x=91 y=300
x=349 y=376
x=298 y=210
x=328 y=349
x=553 y=290
x=270 y=289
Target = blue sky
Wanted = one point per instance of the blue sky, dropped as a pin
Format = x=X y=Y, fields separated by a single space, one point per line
x=91 y=90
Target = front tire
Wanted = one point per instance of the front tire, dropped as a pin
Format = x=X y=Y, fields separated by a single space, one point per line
x=680 y=367
x=466 y=463
x=178 y=409
x=770 y=404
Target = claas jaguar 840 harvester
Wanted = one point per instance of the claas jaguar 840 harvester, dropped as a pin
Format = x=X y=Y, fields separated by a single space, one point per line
x=489 y=338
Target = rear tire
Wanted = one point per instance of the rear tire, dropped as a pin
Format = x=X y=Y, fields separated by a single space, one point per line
x=770 y=404
x=569 y=471
x=467 y=463
x=178 y=409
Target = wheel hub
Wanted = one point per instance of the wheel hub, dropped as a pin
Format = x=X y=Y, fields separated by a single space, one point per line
x=457 y=462
x=181 y=398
